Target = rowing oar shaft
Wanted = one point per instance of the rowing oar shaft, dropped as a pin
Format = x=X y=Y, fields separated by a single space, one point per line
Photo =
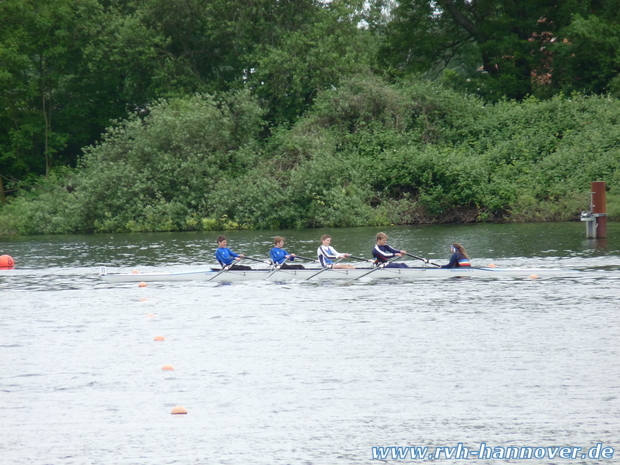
x=424 y=260
x=379 y=267
x=304 y=258
x=256 y=260
x=360 y=258
x=324 y=269
x=276 y=269
x=224 y=270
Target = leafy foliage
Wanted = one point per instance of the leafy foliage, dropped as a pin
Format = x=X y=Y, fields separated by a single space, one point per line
x=68 y=68
x=368 y=153
x=508 y=48
x=303 y=113
x=588 y=59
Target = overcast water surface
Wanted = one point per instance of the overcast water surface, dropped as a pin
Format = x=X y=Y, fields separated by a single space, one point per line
x=308 y=373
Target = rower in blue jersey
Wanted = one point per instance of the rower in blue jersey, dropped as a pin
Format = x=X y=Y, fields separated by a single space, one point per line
x=459 y=257
x=384 y=252
x=327 y=254
x=279 y=256
x=225 y=256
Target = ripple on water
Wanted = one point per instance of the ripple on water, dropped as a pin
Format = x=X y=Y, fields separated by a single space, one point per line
x=278 y=373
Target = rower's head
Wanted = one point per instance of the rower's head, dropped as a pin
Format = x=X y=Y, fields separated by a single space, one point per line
x=381 y=238
x=222 y=241
x=456 y=247
x=326 y=239
x=278 y=241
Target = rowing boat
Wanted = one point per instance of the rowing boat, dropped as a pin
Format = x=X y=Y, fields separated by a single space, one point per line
x=308 y=274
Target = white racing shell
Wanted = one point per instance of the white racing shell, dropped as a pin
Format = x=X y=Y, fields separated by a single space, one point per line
x=323 y=274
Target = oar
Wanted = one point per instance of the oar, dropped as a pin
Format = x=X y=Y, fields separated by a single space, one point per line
x=257 y=260
x=425 y=260
x=304 y=258
x=360 y=258
x=379 y=267
x=223 y=270
x=324 y=269
x=277 y=268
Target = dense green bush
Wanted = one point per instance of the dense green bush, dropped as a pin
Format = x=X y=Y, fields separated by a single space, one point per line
x=155 y=173
x=46 y=207
x=301 y=182
x=369 y=152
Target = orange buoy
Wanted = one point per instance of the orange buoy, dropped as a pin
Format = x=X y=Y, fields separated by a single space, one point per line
x=143 y=299
x=178 y=410
x=135 y=272
x=159 y=338
x=167 y=368
x=491 y=265
x=142 y=284
x=6 y=261
x=150 y=315
x=533 y=276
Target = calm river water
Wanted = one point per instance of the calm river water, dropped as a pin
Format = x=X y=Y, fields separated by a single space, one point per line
x=308 y=373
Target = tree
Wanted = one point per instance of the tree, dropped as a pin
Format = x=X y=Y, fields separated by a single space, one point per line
x=587 y=59
x=67 y=68
x=284 y=51
x=211 y=43
x=34 y=42
x=317 y=55
x=497 y=45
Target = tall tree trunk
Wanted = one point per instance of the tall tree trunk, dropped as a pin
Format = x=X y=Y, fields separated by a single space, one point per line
x=45 y=115
x=47 y=127
x=2 y=195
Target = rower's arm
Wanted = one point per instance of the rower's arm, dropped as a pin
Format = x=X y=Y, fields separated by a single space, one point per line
x=453 y=260
x=329 y=253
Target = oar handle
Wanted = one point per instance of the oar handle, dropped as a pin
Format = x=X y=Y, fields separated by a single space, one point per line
x=424 y=260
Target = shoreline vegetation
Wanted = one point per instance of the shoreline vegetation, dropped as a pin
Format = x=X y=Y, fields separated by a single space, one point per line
x=368 y=153
x=153 y=115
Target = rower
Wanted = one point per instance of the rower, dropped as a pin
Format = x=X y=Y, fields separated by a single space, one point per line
x=459 y=257
x=226 y=257
x=383 y=252
x=279 y=256
x=327 y=254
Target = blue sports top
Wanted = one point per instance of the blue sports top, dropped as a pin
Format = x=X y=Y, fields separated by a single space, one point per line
x=327 y=255
x=225 y=256
x=383 y=252
x=278 y=255
x=456 y=260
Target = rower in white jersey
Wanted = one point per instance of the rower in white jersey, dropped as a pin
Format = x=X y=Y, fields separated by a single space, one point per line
x=327 y=254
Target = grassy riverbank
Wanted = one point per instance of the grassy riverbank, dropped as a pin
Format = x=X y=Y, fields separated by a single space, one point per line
x=368 y=153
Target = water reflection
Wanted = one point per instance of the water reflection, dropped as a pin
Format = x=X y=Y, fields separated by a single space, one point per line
x=599 y=245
